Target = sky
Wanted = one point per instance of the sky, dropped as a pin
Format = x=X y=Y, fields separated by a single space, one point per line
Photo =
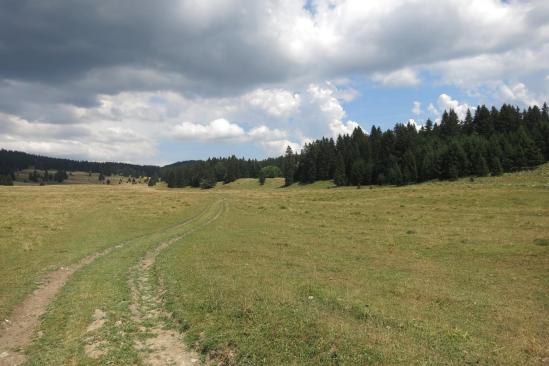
x=154 y=82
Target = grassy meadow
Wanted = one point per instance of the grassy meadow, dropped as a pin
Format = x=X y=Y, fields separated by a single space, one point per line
x=430 y=274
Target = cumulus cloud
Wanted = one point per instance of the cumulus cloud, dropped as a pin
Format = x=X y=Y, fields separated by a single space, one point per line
x=518 y=93
x=414 y=123
x=77 y=141
x=446 y=103
x=324 y=97
x=279 y=147
x=221 y=129
x=402 y=77
x=215 y=130
x=416 y=109
x=276 y=102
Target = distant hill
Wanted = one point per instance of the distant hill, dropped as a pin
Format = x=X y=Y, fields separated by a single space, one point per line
x=13 y=161
x=181 y=164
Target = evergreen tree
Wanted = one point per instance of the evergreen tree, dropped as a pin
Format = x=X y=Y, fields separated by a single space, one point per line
x=60 y=176
x=340 y=179
x=428 y=165
x=454 y=162
x=207 y=183
x=394 y=173
x=429 y=125
x=262 y=177
x=288 y=168
x=409 y=168
x=497 y=169
x=481 y=167
x=529 y=154
x=358 y=171
x=449 y=124
x=6 y=180
x=468 y=126
x=152 y=181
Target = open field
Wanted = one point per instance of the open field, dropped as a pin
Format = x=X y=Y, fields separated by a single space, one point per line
x=436 y=273
x=22 y=178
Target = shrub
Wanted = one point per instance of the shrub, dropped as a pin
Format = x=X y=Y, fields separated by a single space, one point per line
x=207 y=183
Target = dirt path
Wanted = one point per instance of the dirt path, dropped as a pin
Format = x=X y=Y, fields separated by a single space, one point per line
x=17 y=331
x=160 y=345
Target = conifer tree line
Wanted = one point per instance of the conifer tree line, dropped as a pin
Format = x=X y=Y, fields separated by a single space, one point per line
x=45 y=177
x=486 y=142
x=13 y=161
x=206 y=174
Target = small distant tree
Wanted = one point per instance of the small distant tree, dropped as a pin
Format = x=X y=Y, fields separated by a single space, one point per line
x=271 y=171
x=108 y=181
x=34 y=176
x=6 y=180
x=261 y=177
x=152 y=181
x=60 y=176
x=101 y=177
x=207 y=183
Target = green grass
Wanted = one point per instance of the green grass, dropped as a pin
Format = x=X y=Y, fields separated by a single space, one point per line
x=101 y=285
x=43 y=228
x=437 y=273
x=77 y=177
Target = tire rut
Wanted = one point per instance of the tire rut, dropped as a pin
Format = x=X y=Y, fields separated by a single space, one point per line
x=16 y=333
x=160 y=345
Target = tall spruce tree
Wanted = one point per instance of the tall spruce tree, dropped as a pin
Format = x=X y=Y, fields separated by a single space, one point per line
x=288 y=167
x=340 y=179
x=358 y=172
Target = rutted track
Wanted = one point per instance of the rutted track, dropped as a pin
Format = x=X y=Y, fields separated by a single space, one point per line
x=161 y=345
x=17 y=332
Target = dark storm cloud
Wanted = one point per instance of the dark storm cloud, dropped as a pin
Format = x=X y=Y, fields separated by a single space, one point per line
x=57 y=42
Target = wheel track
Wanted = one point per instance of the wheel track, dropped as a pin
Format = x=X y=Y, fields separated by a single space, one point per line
x=164 y=346
x=17 y=332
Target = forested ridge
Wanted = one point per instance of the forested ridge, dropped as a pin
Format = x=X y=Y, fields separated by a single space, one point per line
x=486 y=142
x=207 y=173
x=13 y=161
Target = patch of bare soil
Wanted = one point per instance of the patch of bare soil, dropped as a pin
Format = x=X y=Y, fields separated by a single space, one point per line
x=16 y=332
x=160 y=345
x=96 y=347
